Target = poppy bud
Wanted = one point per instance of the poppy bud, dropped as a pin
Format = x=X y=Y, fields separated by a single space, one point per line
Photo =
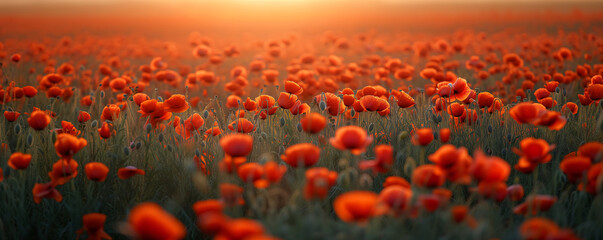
x=205 y=114
x=94 y=124
x=489 y=128
x=132 y=145
x=371 y=127
x=127 y=151
x=299 y=127
x=160 y=137
x=403 y=135
x=17 y=128
x=264 y=135
x=159 y=98
x=322 y=105
x=282 y=122
x=102 y=94
x=169 y=148
x=557 y=89
x=138 y=145
x=149 y=128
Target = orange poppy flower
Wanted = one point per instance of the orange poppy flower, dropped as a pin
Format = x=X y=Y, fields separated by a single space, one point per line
x=333 y=103
x=430 y=202
x=46 y=190
x=105 y=130
x=351 y=138
x=551 y=119
x=397 y=198
x=493 y=190
x=302 y=154
x=233 y=101
x=206 y=206
x=30 y=91
x=455 y=109
x=460 y=213
x=405 y=100
x=299 y=108
x=94 y=224
x=250 y=105
x=149 y=221
x=422 y=136
x=83 y=117
x=129 y=171
x=594 y=178
x=250 y=172
x=215 y=130
x=67 y=127
x=231 y=194
x=489 y=168
x=313 y=122
x=96 y=171
x=535 y=203
x=19 y=161
x=11 y=116
x=429 y=176
x=444 y=135
x=118 y=84
x=533 y=151
x=176 y=104
x=371 y=103
x=1 y=175
x=357 y=206
x=230 y=164
x=591 y=150
x=455 y=162
x=571 y=107
x=193 y=124
x=515 y=192
x=139 y=98
x=537 y=228
x=485 y=99
x=242 y=125
x=526 y=112
x=396 y=181
x=110 y=112
x=575 y=167
x=595 y=92
x=38 y=120
x=274 y=172
x=265 y=101
x=542 y=93
x=384 y=158
x=237 y=144
x=293 y=88
x=63 y=170
x=318 y=182
x=241 y=228
x=68 y=145
x=286 y=100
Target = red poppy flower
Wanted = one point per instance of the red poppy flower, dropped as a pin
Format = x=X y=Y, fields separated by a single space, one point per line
x=351 y=138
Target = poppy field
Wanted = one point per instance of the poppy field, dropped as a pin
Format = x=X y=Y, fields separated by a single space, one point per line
x=239 y=124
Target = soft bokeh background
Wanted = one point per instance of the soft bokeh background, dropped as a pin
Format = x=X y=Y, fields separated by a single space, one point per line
x=269 y=16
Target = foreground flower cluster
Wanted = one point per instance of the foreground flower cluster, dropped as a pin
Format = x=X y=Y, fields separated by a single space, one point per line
x=464 y=135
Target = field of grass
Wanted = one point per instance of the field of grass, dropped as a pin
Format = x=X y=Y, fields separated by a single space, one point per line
x=488 y=130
